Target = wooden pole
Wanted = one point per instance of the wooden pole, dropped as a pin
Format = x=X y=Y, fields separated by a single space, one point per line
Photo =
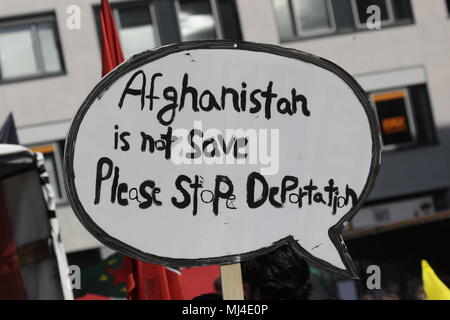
x=231 y=276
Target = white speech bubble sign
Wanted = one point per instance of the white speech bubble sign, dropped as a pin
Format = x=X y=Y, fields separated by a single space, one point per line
x=312 y=164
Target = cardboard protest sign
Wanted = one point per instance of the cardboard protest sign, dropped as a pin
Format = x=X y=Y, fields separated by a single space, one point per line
x=214 y=152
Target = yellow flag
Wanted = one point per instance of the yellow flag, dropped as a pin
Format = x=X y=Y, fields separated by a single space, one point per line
x=433 y=286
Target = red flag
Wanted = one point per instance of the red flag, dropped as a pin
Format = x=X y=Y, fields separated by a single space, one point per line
x=152 y=282
x=148 y=281
x=112 y=54
x=144 y=280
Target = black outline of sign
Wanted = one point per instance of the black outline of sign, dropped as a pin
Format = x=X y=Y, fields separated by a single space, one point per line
x=146 y=57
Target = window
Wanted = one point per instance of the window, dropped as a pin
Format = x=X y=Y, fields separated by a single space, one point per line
x=208 y=19
x=395 y=118
x=304 y=17
x=404 y=117
x=313 y=16
x=136 y=29
x=229 y=19
x=144 y=25
x=308 y=18
x=29 y=48
x=196 y=20
x=283 y=16
x=53 y=164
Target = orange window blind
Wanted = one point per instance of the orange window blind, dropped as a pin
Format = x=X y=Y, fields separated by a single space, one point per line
x=48 y=148
x=389 y=96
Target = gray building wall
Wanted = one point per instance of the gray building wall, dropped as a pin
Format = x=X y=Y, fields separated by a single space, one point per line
x=379 y=59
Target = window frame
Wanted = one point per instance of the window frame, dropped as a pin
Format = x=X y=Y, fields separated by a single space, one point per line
x=161 y=26
x=383 y=23
x=322 y=31
x=218 y=28
x=354 y=27
x=409 y=113
x=115 y=7
x=32 y=22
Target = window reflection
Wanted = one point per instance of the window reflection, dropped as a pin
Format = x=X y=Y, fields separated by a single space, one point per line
x=29 y=49
x=49 y=48
x=136 y=30
x=311 y=15
x=16 y=52
x=196 y=20
x=284 y=18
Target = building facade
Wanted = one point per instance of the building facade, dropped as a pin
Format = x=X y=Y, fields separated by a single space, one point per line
x=50 y=59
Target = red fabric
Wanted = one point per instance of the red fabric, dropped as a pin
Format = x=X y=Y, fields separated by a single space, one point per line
x=200 y=280
x=11 y=283
x=176 y=285
x=112 y=54
x=144 y=281
x=152 y=282
x=92 y=296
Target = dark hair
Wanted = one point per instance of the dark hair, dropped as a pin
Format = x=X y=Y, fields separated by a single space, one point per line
x=278 y=275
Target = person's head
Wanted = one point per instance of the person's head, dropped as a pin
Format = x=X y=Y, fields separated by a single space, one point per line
x=278 y=275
